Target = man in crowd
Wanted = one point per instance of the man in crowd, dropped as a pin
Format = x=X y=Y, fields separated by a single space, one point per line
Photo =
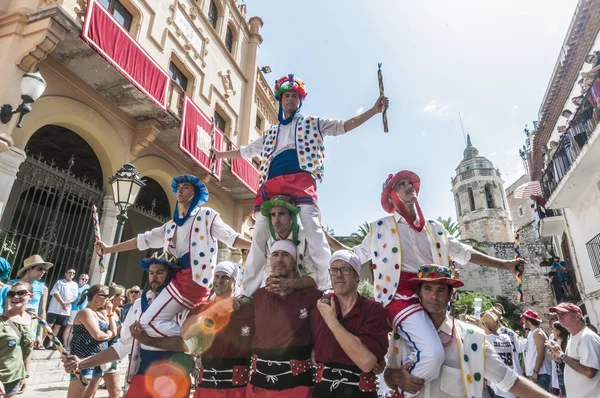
x=150 y=369
x=398 y=245
x=560 y=267
x=292 y=155
x=582 y=357
x=350 y=334
x=191 y=236
x=63 y=294
x=282 y=342
x=34 y=268
x=468 y=360
x=82 y=285
x=517 y=348
x=538 y=365
x=283 y=224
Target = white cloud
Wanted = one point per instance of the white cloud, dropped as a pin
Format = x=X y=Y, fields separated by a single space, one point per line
x=435 y=109
x=359 y=110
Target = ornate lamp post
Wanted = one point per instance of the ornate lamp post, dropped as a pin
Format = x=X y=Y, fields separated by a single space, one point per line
x=32 y=87
x=126 y=185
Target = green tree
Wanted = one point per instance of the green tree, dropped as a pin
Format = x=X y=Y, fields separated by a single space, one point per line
x=365 y=289
x=451 y=226
x=464 y=305
x=357 y=237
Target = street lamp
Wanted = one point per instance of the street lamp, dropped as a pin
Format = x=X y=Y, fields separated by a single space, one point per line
x=266 y=69
x=32 y=87
x=126 y=185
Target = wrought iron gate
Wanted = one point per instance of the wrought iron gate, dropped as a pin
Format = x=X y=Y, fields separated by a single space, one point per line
x=48 y=213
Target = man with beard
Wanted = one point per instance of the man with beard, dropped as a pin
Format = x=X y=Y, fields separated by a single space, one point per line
x=350 y=334
x=150 y=369
x=282 y=342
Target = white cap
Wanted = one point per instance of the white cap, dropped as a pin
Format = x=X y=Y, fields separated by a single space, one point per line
x=347 y=256
x=286 y=246
x=229 y=268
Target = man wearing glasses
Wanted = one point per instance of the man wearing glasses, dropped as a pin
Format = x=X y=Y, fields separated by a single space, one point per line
x=349 y=332
x=82 y=284
x=63 y=294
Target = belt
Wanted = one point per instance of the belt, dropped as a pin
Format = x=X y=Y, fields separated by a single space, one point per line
x=224 y=373
x=335 y=379
x=280 y=374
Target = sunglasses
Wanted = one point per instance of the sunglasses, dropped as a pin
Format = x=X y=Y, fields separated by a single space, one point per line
x=135 y=291
x=103 y=295
x=20 y=293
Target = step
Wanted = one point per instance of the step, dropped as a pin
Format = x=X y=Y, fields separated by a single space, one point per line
x=46 y=367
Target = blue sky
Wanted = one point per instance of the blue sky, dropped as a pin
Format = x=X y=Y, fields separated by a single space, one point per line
x=489 y=60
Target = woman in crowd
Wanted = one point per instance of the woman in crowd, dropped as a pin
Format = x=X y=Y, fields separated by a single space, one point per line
x=132 y=294
x=15 y=340
x=116 y=295
x=91 y=332
x=561 y=336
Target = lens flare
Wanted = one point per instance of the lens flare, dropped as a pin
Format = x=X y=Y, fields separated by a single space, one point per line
x=166 y=379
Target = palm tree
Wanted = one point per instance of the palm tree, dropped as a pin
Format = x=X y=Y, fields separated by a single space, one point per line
x=451 y=226
x=363 y=231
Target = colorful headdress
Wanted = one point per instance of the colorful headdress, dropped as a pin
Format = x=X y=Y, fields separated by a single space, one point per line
x=388 y=186
x=289 y=83
x=286 y=202
x=432 y=273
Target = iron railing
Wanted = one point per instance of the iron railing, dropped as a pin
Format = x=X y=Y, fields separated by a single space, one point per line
x=593 y=248
x=570 y=145
x=49 y=213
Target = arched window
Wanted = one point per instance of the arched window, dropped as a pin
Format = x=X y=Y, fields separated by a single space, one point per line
x=213 y=14
x=229 y=40
x=489 y=197
x=471 y=199
x=457 y=201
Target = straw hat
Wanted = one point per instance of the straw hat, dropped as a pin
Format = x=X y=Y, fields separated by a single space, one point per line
x=31 y=262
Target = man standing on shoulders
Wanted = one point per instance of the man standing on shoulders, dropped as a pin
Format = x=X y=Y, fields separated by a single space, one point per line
x=582 y=357
x=64 y=293
x=538 y=365
x=282 y=342
x=350 y=334
x=469 y=358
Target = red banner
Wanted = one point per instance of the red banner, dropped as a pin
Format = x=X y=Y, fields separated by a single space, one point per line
x=245 y=172
x=195 y=137
x=113 y=42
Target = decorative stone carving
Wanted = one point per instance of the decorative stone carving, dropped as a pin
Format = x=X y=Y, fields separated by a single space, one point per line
x=146 y=132
x=227 y=83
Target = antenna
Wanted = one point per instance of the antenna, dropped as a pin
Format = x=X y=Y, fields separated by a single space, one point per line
x=462 y=128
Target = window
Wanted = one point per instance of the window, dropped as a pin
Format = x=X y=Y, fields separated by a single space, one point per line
x=220 y=121
x=471 y=199
x=457 y=201
x=520 y=212
x=118 y=10
x=213 y=14
x=178 y=76
x=489 y=197
x=258 y=122
x=593 y=248
x=229 y=39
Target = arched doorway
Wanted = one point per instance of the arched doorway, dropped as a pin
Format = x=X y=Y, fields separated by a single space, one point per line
x=152 y=210
x=48 y=211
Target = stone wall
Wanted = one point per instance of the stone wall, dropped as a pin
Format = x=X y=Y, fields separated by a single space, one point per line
x=493 y=282
x=485 y=226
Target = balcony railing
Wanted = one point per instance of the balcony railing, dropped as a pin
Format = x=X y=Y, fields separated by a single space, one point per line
x=175 y=99
x=571 y=143
x=475 y=172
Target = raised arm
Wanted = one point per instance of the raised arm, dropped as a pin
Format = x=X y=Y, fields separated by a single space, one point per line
x=174 y=343
x=236 y=154
x=356 y=121
x=90 y=322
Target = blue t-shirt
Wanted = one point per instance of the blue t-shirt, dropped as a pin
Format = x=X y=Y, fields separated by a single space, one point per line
x=74 y=306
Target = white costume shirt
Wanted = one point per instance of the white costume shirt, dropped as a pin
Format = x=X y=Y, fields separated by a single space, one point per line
x=416 y=248
x=286 y=138
x=584 y=347
x=448 y=384
x=531 y=356
x=68 y=292
x=180 y=245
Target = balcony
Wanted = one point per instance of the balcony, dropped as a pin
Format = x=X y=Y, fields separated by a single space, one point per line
x=473 y=173
x=239 y=177
x=575 y=163
x=103 y=73
x=552 y=224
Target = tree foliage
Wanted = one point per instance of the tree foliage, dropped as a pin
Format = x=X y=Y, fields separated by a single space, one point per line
x=464 y=305
x=451 y=226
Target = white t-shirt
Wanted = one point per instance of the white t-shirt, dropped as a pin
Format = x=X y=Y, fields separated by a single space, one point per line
x=584 y=347
x=504 y=348
x=68 y=291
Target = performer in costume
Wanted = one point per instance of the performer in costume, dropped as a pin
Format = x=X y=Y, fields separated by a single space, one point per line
x=292 y=155
x=223 y=342
x=141 y=374
x=192 y=238
x=398 y=245
x=283 y=224
x=282 y=341
x=468 y=357
x=350 y=334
